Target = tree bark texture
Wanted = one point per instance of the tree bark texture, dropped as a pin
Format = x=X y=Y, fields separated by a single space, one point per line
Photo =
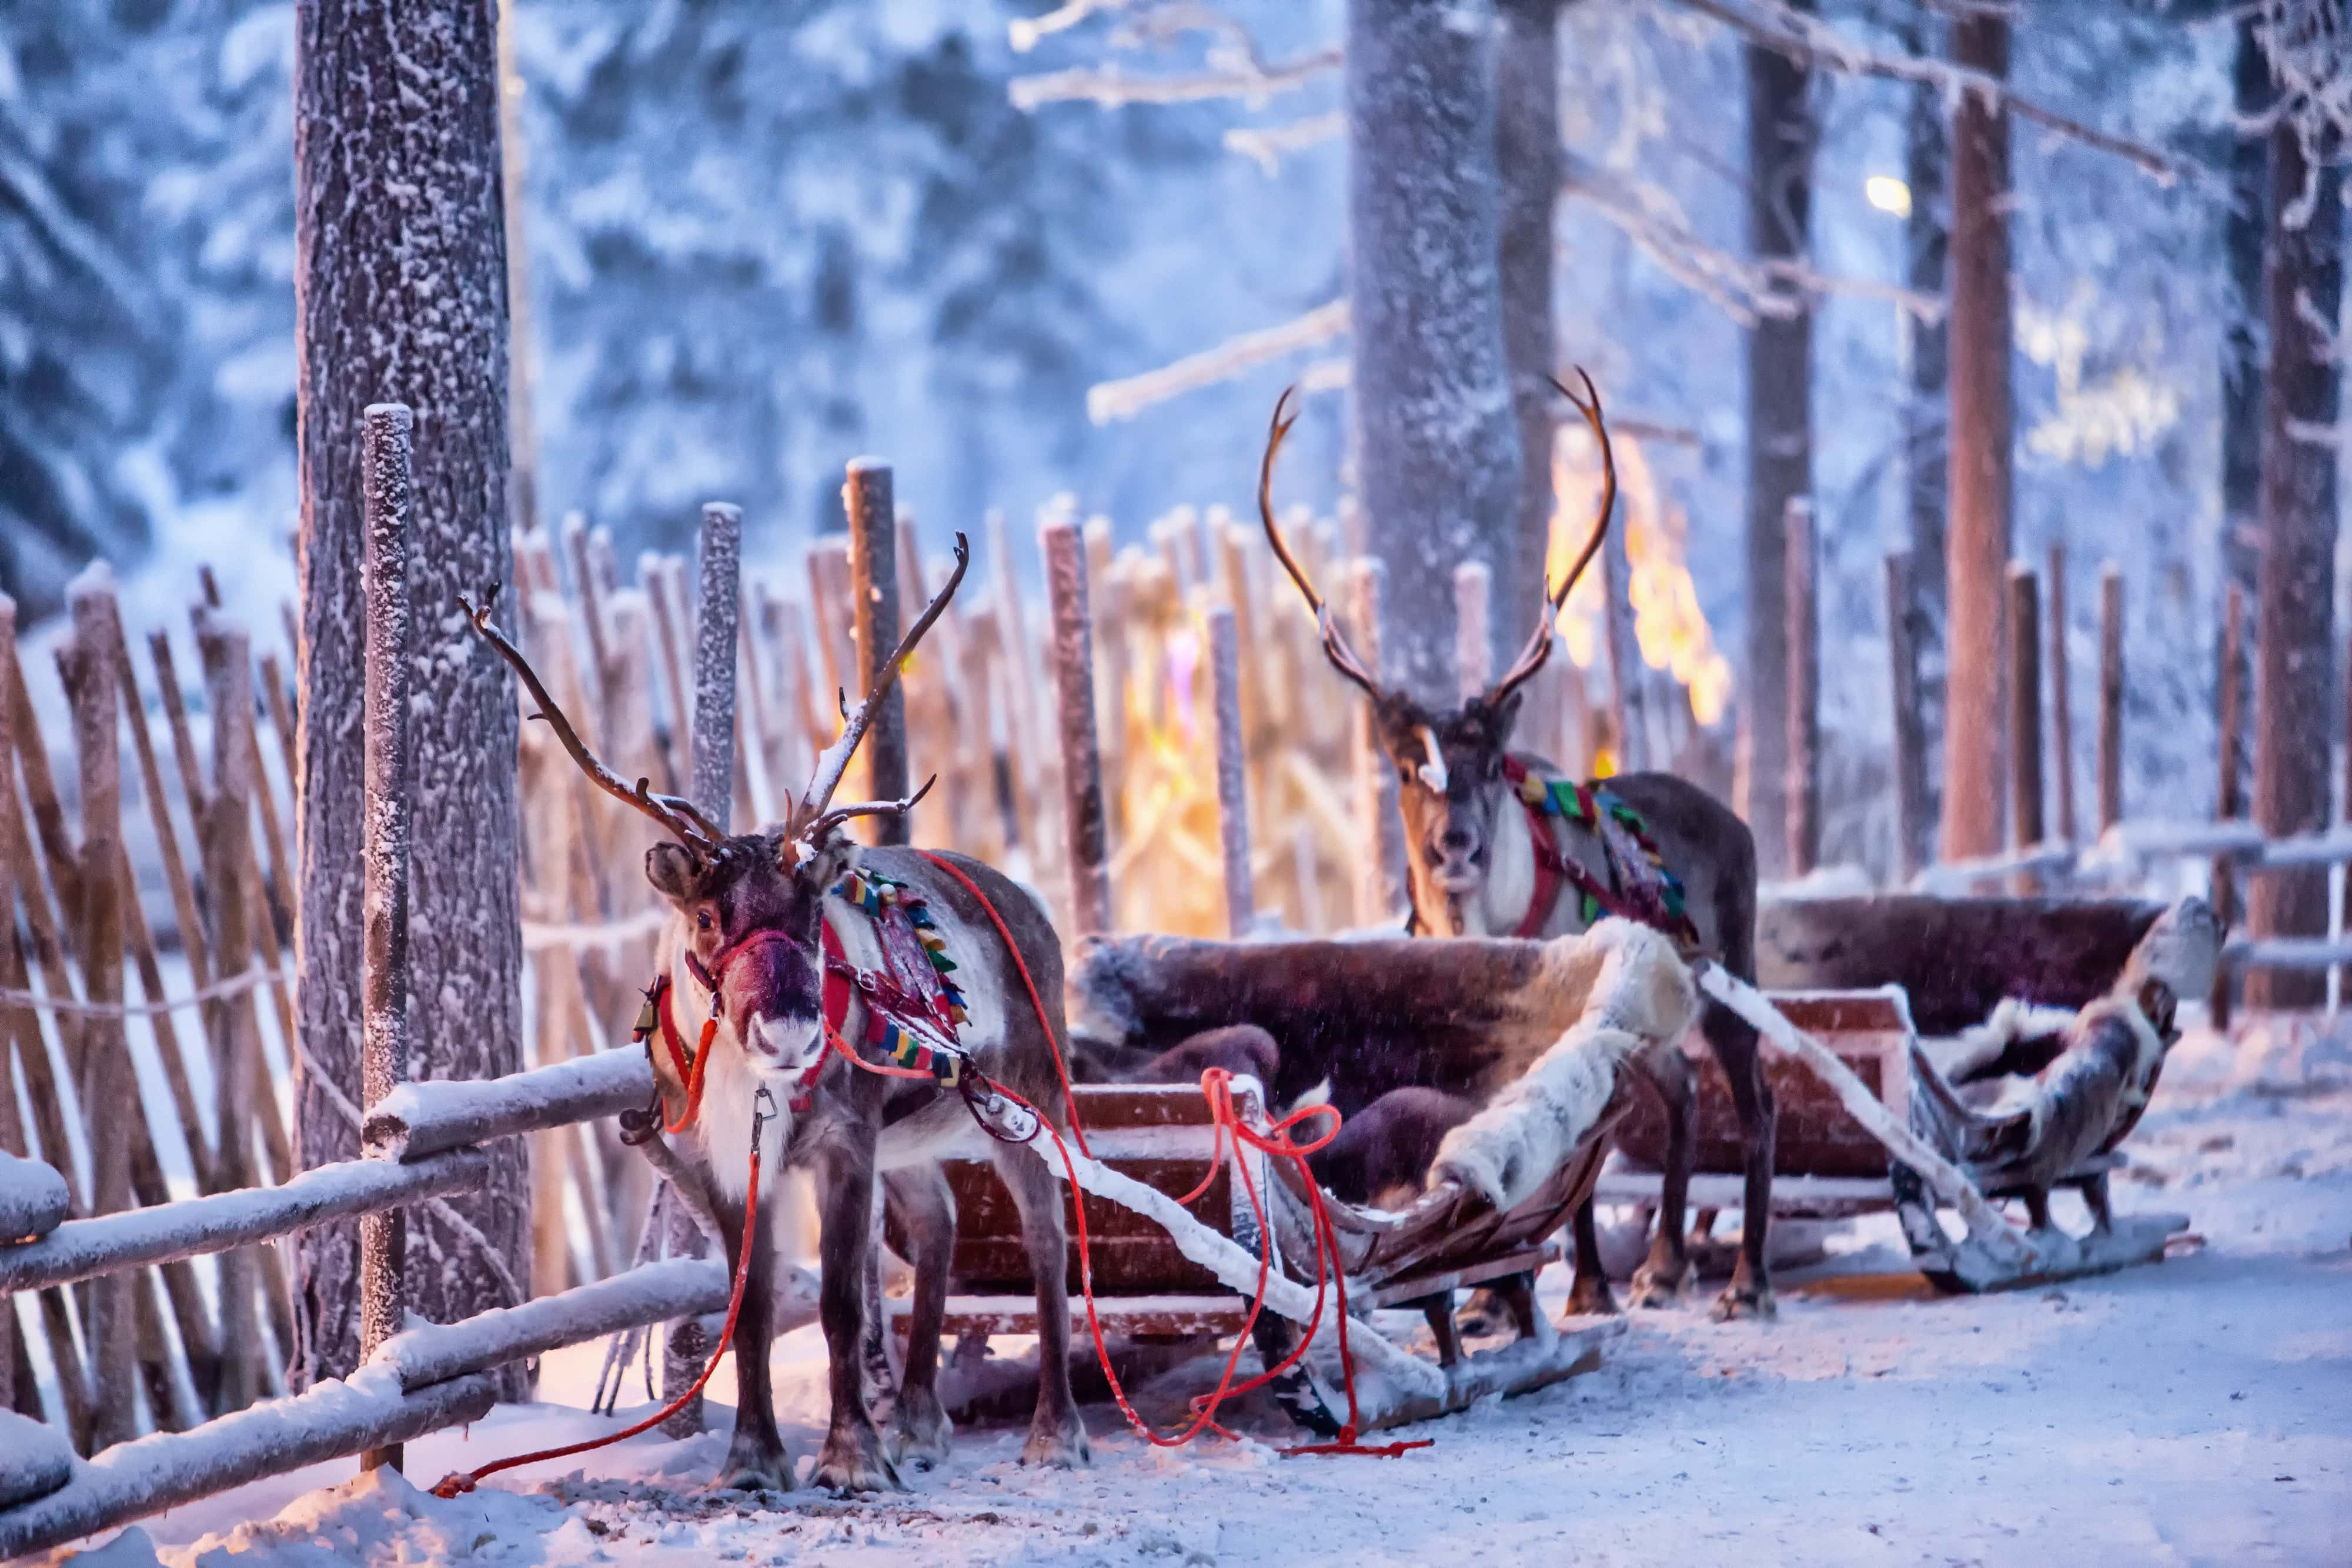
x=2245 y=227
x=1526 y=150
x=1925 y=427
x=1977 y=550
x=1804 y=784
x=1438 y=442
x=719 y=605
x=2295 y=635
x=1780 y=137
x=401 y=293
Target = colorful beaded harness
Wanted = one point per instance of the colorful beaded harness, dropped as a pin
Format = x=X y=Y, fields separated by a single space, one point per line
x=1643 y=889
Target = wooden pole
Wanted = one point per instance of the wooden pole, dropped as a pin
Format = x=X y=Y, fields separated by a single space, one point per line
x=865 y=497
x=226 y=837
x=1233 y=791
x=667 y=638
x=2111 y=695
x=2024 y=618
x=2229 y=800
x=384 y=910
x=2062 y=722
x=1074 y=678
x=1474 y=642
x=714 y=654
x=1804 y=688
x=98 y=1054
x=1379 y=890
x=1913 y=831
x=1624 y=656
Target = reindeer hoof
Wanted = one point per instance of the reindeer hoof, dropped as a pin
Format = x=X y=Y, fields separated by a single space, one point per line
x=1060 y=1446
x=773 y=1474
x=1745 y=1301
x=855 y=1464
x=1658 y=1284
x=1591 y=1297
x=919 y=1430
x=1482 y=1315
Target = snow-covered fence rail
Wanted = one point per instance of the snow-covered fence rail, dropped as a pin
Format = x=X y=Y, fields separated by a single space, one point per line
x=425 y=1118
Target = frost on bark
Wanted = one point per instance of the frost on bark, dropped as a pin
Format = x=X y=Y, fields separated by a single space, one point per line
x=716 y=633
x=1439 y=450
x=2295 y=707
x=1781 y=136
x=401 y=293
x=1977 y=543
x=1527 y=143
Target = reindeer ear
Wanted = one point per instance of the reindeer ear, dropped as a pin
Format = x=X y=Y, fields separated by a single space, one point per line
x=1503 y=716
x=821 y=864
x=2158 y=1002
x=676 y=872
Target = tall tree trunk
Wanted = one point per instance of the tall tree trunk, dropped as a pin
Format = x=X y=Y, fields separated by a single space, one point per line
x=1527 y=131
x=2295 y=709
x=1439 y=450
x=1977 y=548
x=1926 y=238
x=2244 y=226
x=400 y=294
x=1781 y=136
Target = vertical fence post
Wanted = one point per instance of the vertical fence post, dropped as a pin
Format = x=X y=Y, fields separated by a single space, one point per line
x=2111 y=695
x=1380 y=892
x=383 y=900
x=2229 y=800
x=715 y=645
x=97 y=1055
x=1804 y=684
x=1474 y=643
x=2026 y=827
x=2062 y=718
x=1233 y=791
x=1913 y=831
x=1617 y=633
x=874 y=615
x=1074 y=679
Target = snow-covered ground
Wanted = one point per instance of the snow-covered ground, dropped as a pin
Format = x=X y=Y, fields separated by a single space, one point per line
x=2194 y=1411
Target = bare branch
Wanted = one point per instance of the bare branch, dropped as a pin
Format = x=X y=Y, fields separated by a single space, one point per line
x=1815 y=44
x=1027 y=30
x=1111 y=87
x=1268 y=145
x=1107 y=400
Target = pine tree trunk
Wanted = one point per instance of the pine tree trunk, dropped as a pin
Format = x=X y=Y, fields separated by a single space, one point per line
x=2244 y=228
x=1526 y=139
x=1977 y=547
x=1781 y=136
x=1927 y=239
x=401 y=289
x=1437 y=443
x=2295 y=636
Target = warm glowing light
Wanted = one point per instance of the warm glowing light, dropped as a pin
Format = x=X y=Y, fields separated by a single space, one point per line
x=1888 y=195
x=1668 y=625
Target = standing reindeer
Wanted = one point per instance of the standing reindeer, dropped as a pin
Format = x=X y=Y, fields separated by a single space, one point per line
x=763 y=921
x=1495 y=839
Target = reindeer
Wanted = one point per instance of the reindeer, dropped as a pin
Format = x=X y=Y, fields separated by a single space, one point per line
x=1484 y=862
x=748 y=949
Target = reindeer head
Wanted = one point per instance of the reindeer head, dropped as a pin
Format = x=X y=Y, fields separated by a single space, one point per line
x=1449 y=764
x=750 y=904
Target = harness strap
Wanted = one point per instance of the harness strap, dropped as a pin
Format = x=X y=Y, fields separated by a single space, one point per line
x=1552 y=868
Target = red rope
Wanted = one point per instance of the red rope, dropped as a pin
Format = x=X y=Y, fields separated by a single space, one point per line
x=465 y=1482
x=1069 y=1096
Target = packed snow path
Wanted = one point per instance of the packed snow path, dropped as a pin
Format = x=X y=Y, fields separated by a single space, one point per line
x=2192 y=1412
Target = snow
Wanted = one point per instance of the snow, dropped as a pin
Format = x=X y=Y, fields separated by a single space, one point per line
x=427 y=1116
x=33 y=1198
x=36 y=1459
x=2189 y=1411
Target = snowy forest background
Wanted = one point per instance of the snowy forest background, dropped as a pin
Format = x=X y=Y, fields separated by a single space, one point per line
x=758 y=238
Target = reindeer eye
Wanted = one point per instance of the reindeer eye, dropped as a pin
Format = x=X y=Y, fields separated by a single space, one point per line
x=702 y=920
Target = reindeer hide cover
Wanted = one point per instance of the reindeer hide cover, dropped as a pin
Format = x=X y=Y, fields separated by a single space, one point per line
x=1638 y=996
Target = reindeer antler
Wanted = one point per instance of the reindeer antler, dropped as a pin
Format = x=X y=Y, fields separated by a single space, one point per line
x=811 y=819
x=1539 y=647
x=679 y=817
x=1334 y=642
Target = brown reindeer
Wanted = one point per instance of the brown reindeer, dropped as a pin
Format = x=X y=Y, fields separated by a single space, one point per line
x=1484 y=862
x=749 y=949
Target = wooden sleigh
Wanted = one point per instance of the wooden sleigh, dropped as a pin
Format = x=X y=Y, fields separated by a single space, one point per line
x=1952 y=962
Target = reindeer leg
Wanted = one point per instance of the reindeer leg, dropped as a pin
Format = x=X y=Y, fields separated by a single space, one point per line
x=1749 y=1294
x=918 y=1428
x=756 y=1457
x=1666 y=1274
x=1057 y=1436
x=853 y=1459
x=1588 y=1288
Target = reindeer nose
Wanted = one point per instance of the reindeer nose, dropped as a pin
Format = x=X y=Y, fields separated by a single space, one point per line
x=1455 y=840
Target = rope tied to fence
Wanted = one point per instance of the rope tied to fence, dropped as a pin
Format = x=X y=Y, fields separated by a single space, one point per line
x=234 y=985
